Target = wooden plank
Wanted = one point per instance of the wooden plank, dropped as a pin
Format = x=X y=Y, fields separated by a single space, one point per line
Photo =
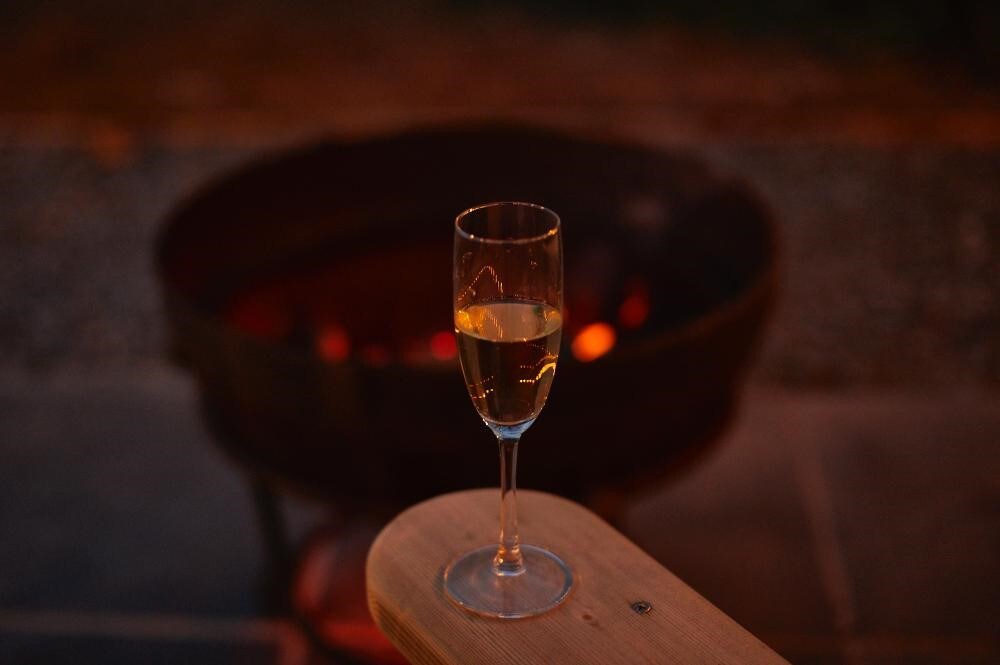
x=596 y=624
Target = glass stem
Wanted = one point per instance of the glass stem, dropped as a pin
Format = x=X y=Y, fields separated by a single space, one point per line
x=508 y=560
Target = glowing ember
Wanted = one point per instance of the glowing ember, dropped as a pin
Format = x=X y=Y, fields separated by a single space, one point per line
x=634 y=310
x=443 y=345
x=333 y=344
x=593 y=342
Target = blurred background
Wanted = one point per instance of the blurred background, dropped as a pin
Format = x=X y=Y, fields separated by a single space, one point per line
x=849 y=512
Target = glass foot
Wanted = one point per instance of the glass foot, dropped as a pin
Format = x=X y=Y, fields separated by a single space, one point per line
x=470 y=582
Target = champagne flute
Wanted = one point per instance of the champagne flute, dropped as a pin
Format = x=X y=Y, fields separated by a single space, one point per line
x=508 y=295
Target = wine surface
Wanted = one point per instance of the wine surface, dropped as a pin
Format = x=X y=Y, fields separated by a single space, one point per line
x=508 y=350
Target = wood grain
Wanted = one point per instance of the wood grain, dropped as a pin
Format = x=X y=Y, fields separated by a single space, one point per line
x=595 y=625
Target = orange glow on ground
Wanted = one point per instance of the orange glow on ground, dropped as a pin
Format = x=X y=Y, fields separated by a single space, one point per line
x=593 y=342
x=363 y=638
x=333 y=344
x=443 y=345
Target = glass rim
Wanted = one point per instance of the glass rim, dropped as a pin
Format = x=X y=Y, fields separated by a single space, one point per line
x=508 y=241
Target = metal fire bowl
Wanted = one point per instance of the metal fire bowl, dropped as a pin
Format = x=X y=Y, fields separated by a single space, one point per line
x=378 y=436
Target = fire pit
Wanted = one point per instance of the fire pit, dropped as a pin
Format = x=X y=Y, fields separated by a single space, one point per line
x=309 y=294
x=324 y=353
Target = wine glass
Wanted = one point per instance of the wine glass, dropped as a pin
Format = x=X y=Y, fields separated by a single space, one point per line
x=508 y=295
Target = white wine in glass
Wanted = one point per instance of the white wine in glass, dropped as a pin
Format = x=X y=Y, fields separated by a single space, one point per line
x=509 y=350
x=508 y=294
